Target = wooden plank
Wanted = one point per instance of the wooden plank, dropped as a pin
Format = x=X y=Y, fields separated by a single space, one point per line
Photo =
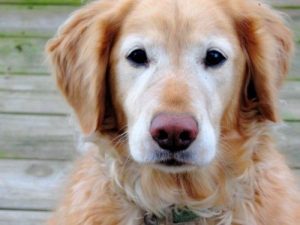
x=36 y=137
x=288 y=141
x=47 y=103
x=273 y=2
x=22 y=55
x=27 y=83
x=44 y=20
x=284 y=3
x=31 y=94
x=31 y=184
x=10 y=217
x=290 y=109
x=297 y=174
x=292 y=17
x=289 y=103
x=294 y=23
x=43 y=2
x=294 y=73
x=41 y=21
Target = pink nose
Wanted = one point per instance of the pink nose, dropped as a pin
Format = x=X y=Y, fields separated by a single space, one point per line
x=174 y=132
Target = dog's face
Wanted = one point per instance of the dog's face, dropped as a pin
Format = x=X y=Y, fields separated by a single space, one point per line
x=177 y=75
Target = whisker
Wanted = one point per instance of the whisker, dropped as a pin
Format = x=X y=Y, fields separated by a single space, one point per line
x=120 y=139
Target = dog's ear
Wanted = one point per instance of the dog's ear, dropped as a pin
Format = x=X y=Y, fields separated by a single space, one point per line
x=79 y=55
x=268 y=45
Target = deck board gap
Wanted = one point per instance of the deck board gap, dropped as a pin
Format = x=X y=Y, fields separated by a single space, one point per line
x=34 y=114
x=25 y=210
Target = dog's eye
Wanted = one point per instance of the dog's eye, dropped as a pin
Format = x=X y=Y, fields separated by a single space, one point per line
x=138 y=57
x=214 y=58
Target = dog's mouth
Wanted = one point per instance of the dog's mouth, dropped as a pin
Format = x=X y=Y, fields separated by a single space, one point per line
x=171 y=162
x=173 y=165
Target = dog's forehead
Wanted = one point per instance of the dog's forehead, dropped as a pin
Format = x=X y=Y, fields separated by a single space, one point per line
x=175 y=19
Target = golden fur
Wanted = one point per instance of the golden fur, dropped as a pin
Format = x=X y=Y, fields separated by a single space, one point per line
x=247 y=183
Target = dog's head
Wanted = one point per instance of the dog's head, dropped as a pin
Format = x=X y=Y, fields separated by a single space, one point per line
x=175 y=75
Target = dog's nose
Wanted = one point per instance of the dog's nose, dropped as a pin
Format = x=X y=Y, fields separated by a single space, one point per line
x=174 y=132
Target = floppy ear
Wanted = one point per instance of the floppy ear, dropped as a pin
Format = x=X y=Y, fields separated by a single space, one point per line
x=80 y=53
x=268 y=46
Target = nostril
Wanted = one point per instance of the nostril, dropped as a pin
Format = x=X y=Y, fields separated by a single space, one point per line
x=162 y=135
x=185 y=136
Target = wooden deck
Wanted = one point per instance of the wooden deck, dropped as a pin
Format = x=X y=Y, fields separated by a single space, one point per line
x=37 y=142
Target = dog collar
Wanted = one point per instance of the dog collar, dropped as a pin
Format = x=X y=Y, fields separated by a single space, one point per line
x=173 y=217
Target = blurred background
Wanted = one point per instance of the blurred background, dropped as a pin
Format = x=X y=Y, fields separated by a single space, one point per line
x=37 y=142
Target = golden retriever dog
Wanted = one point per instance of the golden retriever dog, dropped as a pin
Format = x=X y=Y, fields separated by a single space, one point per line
x=179 y=100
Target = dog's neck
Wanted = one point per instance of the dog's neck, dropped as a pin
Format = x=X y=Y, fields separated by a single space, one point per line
x=213 y=192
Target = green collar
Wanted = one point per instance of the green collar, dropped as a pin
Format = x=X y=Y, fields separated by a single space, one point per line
x=173 y=217
x=183 y=216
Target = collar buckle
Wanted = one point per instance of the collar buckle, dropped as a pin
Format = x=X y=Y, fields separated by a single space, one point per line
x=151 y=219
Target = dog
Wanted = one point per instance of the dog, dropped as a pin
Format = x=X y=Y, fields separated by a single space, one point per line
x=179 y=100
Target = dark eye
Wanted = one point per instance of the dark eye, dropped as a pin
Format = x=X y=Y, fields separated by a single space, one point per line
x=138 y=57
x=214 y=58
